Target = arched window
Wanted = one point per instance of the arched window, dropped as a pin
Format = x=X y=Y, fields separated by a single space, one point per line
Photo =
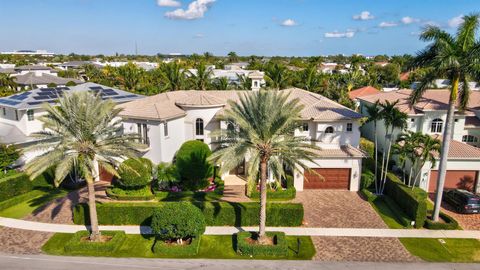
x=329 y=130
x=230 y=127
x=469 y=139
x=437 y=125
x=199 y=127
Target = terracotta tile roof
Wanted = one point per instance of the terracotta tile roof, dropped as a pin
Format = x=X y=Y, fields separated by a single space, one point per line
x=345 y=151
x=364 y=91
x=459 y=150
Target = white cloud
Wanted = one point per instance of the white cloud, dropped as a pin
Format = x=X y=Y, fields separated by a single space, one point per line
x=363 y=16
x=199 y=35
x=168 y=3
x=289 y=22
x=387 y=24
x=336 y=34
x=455 y=21
x=195 y=10
x=409 y=20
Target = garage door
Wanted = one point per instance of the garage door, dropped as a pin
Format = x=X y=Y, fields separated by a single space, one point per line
x=454 y=179
x=333 y=179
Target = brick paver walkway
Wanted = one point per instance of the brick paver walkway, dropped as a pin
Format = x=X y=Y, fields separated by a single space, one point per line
x=466 y=221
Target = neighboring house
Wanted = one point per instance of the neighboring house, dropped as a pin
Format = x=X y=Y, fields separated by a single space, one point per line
x=362 y=92
x=19 y=113
x=428 y=116
x=236 y=66
x=233 y=74
x=445 y=83
x=75 y=65
x=165 y=121
x=37 y=69
x=31 y=80
x=30 y=52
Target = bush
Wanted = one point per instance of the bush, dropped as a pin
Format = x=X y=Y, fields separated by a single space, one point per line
x=450 y=223
x=192 y=165
x=175 y=221
x=279 y=249
x=19 y=199
x=77 y=246
x=138 y=194
x=135 y=172
x=14 y=185
x=70 y=83
x=367 y=179
x=400 y=215
x=368 y=195
x=216 y=213
x=368 y=147
x=163 y=248
x=412 y=201
x=280 y=194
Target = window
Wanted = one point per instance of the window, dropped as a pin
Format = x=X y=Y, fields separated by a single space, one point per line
x=305 y=127
x=412 y=119
x=30 y=115
x=349 y=127
x=469 y=139
x=143 y=133
x=165 y=129
x=230 y=127
x=329 y=130
x=199 y=127
x=16 y=115
x=437 y=125
x=456 y=120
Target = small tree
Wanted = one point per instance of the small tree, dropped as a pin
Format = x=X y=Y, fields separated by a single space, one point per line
x=135 y=173
x=8 y=155
x=192 y=165
x=177 y=221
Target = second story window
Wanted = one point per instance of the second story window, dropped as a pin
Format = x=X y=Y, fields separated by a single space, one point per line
x=199 y=127
x=469 y=139
x=143 y=133
x=349 y=127
x=30 y=115
x=329 y=130
x=304 y=127
x=437 y=125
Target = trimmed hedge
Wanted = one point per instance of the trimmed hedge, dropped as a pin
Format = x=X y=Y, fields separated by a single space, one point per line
x=160 y=247
x=450 y=223
x=76 y=246
x=175 y=221
x=19 y=199
x=413 y=202
x=282 y=194
x=135 y=172
x=216 y=213
x=399 y=213
x=19 y=183
x=279 y=249
x=368 y=195
x=193 y=166
x=367 y=179
x=141 y=194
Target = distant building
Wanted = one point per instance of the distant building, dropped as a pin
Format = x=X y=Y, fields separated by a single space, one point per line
x=36 y=76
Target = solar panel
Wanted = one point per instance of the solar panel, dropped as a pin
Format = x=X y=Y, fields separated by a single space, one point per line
x=9 y=102
x=35 y=102
x=47 y=89
x=19 y=97
x=95 y=87
x=41 y=97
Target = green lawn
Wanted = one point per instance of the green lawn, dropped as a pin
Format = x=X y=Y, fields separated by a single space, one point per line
x=31 y=201
x=211 y=247
x=452 y=250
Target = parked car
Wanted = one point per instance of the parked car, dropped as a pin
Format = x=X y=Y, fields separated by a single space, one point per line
x=463 y=201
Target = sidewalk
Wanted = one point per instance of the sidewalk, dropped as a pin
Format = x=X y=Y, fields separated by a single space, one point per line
x=348 y=232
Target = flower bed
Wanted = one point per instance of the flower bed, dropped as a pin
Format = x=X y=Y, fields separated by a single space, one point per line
x=212 y=193
x=246 y=245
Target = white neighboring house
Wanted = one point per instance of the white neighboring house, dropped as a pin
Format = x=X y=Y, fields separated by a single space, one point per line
x=165 y=121
x=428 y=116
x=37 y=76
x=19 y=113
x=233 y=74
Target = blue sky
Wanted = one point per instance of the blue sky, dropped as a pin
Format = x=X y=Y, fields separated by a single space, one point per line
x=261 y=27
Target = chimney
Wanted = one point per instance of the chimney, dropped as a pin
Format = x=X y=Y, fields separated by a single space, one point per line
x=256 y=78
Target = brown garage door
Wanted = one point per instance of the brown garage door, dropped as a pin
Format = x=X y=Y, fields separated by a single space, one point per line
x=333 y=179
x=454 y=179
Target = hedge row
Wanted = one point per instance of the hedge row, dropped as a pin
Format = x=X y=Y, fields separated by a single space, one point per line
x=188 y=196
x=216 y=213
x=160 y=247
x=413 y=202
x=278 y=249
x=78 y=244
x=118 y=194
x=450 y=223
x=19 y=183
x=19 y=199
x=283 y=194
x=399 y=213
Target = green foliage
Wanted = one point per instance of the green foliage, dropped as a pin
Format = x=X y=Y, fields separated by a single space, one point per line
x=8 y=155
x=19 y=199
x=79 y=243
x=135 y=172
x=192 y=165
x=399 y=214
x=160 y=247
x=412 y=201
x=70 y=83
x=167 y=173
x=367 y=179
x=175 y=221
x=368 y=147
x=449 y=223
x=143 y=193
x=216 y=213
x=14 y=185
x=278 y=249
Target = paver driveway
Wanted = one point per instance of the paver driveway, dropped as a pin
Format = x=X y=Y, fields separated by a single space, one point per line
x=466 y=221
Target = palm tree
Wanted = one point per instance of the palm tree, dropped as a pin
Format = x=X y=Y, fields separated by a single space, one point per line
x=456 y=58
x=309 y=79
x=374 y=115
x=221 y=83
x=208 y=56
x=202 y=78
x=244 y=82
x=232 y=57
x=81 y=132
x=7 y=82
x=407 y=148
x=130 y=76
x=265 y=124
x=173 y=76
x=277 y=76
x=429 y=148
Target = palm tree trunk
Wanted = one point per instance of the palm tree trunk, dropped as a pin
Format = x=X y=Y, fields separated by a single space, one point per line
x=376 y=156
x=447 y=137
x=263 y=200
x=92 y=207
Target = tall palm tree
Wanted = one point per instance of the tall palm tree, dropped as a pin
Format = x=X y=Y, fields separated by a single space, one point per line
x=130 y=76
x=429 y=148
x=7 y=82
x=173 y=76
x=202 y=78
x=309 y=78
x=277 y=76
x=232 y=57
x=221 y=83
x=81 y=132
x=244 y=82
x=374 y=115
x=408 y=148
x=265 y=124
x=455 y=57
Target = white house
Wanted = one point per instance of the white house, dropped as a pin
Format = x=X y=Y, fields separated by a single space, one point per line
x=165 y=121
x=428 y=116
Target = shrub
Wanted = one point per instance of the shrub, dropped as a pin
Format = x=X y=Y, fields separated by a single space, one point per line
x=368 y=195
x=412 y=201
x=192 y=165
x=279 y=249
x=368 y=147
x=70 y=83
x=367 y=179
x=135 y=172
x=216 y=213
x=77 y=246
x=175 y=221
x=19 y=199
x=163 y=248
x=138 y=194
x=8 y=155
x=400 y=215
x=166 y=174
x=14 y=185
x=450 y=223
x=280 y=194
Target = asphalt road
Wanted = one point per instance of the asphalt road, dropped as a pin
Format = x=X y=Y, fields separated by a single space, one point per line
x=45 y=262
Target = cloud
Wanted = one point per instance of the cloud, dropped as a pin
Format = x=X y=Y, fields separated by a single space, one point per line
x=409 y=20
x=336 y=34
x=363 y=16
x=195 y=10
x=455 y=21
x=168 y=3
x=289 y=22
x=199 y=35
x=387 y=24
